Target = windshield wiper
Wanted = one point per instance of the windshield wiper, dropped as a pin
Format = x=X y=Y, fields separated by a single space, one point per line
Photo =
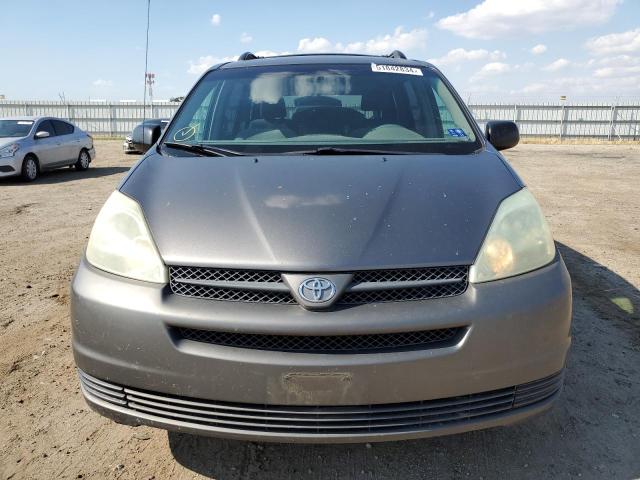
x=347 y=151
x=207 y=151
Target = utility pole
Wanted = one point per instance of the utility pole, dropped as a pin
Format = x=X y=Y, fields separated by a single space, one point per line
x=146 y=66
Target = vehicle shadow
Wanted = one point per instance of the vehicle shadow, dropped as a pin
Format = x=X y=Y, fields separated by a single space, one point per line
x=63 y=175
x=592 y=431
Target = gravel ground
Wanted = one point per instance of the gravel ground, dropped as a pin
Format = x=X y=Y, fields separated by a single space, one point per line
x=589 y=194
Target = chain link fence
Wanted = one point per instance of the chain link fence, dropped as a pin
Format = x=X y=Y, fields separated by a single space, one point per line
x=609 y=121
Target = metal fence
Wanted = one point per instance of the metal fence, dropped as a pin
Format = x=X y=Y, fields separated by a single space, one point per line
x=564 y=120
x=99 y=118
x=606 y=121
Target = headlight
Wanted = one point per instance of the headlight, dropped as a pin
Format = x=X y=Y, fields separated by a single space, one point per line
x=9 y=150
x=121 y=243
x=518 y=241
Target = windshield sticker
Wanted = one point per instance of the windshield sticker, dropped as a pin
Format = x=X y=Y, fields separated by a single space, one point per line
x=457 y=132
x=396 y=69
x=185 y=133
x=21 y=122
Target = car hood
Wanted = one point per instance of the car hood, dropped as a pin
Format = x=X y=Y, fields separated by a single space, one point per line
x=320 y=213
x=4 y=141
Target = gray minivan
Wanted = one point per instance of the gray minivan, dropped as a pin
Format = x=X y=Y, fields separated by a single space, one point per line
x=322 y=248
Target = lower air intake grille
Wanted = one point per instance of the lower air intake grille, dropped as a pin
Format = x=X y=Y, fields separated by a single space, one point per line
x=316 y=420
x=371 y=343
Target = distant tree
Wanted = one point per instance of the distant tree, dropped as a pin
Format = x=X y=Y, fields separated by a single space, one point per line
x=177 y=99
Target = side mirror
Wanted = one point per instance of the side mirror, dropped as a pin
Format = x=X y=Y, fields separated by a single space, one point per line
x=42 y=134
x=144 y=136
x=502 y=134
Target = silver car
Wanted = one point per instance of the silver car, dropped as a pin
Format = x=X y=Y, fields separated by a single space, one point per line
x=322 y=248
x=31 y=145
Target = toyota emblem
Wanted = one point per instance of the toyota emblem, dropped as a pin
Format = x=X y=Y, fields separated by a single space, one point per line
x=317 y=290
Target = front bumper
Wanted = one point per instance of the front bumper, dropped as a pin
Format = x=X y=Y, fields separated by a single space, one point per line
x=10 y=166
x=519 y=332
x=127 y=147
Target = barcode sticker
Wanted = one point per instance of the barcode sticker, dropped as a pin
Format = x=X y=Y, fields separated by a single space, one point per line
x=396 y=69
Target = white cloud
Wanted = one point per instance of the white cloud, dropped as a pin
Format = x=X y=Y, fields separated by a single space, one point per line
x=490 y=70
x=269 y=53
x=534 y=88
x=314 y=45
x=494 y=18
x=101 y=83
x=559 y=64
x=603 y=86
x=459 y=55
x=216 y=19
x=524 y=67
x=609 y=72
x=539 y=49
x=398 y=40
x=204 y=63
x=616 y=61
x=246 y=38
x=625 y=42
x=587 y=85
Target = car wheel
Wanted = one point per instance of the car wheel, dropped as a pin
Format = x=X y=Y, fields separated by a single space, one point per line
x=83 y=160
x=29 y=168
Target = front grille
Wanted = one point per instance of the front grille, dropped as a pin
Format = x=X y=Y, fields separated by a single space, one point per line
x=224 y=275
x=411 y=274
x=232 y=295
x=403 y=294
x=319 y=420
x=370 y=343
x=367 y=286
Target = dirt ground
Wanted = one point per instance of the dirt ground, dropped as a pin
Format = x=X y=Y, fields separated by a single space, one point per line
x=590 y=196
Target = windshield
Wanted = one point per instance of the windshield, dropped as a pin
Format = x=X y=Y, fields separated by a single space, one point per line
x=292 y=108
x=15 y=128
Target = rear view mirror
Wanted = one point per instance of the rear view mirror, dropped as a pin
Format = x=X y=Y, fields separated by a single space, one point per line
x=42 y=134
x=502 y=134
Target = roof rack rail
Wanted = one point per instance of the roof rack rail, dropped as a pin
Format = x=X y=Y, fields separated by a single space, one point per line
x=248 y=56
x=397 y=54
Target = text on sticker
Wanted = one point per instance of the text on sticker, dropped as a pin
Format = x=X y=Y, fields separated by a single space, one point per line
x=396 y=69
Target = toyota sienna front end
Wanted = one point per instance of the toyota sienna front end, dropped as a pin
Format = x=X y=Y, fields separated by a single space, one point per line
x=322 y=248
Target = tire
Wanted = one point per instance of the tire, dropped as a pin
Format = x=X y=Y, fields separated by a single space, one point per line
x=30 y=168
x=83 y=160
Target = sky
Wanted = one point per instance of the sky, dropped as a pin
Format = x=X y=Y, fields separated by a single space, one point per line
x=490 y=50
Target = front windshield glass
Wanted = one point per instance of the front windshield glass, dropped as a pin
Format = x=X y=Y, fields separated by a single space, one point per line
x=15 y=128
x=289 y=108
